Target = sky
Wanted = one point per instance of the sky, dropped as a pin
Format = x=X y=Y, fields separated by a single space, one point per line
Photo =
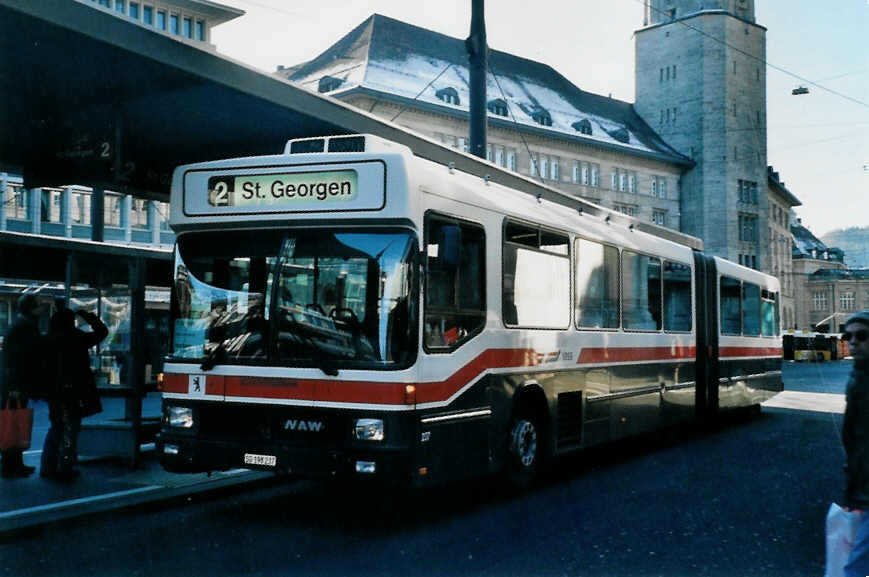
x=818 y=142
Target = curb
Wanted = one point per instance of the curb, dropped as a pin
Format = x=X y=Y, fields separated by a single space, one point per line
x=12 y=521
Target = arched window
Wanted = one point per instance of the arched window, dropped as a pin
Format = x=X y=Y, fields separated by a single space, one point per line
x=448 y=95
x=498 y=107
x=582 y=126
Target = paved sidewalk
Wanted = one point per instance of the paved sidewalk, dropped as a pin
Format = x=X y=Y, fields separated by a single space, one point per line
x=104 y=484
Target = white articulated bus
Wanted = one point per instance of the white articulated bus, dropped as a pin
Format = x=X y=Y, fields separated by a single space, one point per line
x=349 y=309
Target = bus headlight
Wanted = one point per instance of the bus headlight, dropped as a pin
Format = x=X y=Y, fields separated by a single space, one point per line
x=180 y=417
x=369 y=429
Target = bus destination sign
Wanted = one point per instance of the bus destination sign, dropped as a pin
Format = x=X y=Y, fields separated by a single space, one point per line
x=282 y=190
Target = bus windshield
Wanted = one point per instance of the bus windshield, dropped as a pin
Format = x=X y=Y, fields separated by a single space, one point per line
x=313 y=298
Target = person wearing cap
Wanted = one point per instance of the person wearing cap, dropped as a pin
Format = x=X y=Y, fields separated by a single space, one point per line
x=21 y=369
x=855 y=437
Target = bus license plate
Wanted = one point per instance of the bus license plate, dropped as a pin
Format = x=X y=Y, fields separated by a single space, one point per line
x=261 y=460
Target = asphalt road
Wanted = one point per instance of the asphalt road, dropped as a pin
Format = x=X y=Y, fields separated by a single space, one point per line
x=747 y=498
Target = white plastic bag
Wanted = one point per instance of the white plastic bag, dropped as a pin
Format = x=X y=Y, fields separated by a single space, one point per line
x=841 y=531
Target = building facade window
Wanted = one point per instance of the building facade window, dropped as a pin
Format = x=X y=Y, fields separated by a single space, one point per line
x=511 y=159
x=161 y=19
x=747 y=191
x=819 y=301
x=134 y=10
x=595 y=175
x=748 y=228
x=847 y=301
x=659 y=217
x=148 y=15
x=627 y=209
x=499 y=155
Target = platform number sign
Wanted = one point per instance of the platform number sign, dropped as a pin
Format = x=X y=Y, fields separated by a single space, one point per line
x=220 y=191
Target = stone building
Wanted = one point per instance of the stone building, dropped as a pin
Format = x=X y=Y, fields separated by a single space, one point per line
x=187 y=20
x=817 y=274
x=781 y=201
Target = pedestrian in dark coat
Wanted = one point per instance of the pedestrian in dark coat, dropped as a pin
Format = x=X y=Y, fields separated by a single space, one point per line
x=22 y=352
x=75 y=393
x=855 y=437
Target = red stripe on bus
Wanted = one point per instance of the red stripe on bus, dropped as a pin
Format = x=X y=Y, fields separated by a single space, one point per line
x=634 y=354
x=388 y=393
x=749 y=352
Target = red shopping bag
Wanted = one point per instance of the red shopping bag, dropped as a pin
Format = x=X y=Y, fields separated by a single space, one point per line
x=15 y=426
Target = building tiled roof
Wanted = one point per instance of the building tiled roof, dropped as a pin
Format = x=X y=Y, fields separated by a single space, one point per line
x=395 y=59
x=840 y=274
x=807 y=245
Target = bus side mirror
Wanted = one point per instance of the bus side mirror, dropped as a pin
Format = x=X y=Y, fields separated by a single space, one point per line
x=449 y=251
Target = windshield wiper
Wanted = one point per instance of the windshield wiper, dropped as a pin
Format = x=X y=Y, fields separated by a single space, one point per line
x=215 y=357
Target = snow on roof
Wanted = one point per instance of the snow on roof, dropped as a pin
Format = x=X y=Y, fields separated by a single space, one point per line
x=405 y=61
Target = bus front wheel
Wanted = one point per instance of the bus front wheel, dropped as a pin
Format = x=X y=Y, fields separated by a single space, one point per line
x=523 y=451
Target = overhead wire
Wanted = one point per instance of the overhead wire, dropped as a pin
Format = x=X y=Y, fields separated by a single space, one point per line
x=757 y=58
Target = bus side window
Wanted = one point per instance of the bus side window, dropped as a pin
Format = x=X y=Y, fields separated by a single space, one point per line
x=769 y=313
x=731 y=306
x=750 y=309
x=597 y=285
x=455 y=303
x=677 y=297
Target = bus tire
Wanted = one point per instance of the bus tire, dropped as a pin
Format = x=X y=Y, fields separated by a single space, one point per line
x=523 y=450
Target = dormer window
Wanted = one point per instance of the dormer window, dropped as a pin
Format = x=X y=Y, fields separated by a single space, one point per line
x=448 y=95
x=328 y=84
x=620 y=134
x=582 y=126
x=498 y=107
x=542 y=117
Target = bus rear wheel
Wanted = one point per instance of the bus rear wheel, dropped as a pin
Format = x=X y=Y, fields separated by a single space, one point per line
x=523 y=453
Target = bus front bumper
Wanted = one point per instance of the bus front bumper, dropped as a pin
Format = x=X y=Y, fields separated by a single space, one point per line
x=179 y=454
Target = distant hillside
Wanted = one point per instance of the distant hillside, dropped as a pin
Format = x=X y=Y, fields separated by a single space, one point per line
x=854 y=241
